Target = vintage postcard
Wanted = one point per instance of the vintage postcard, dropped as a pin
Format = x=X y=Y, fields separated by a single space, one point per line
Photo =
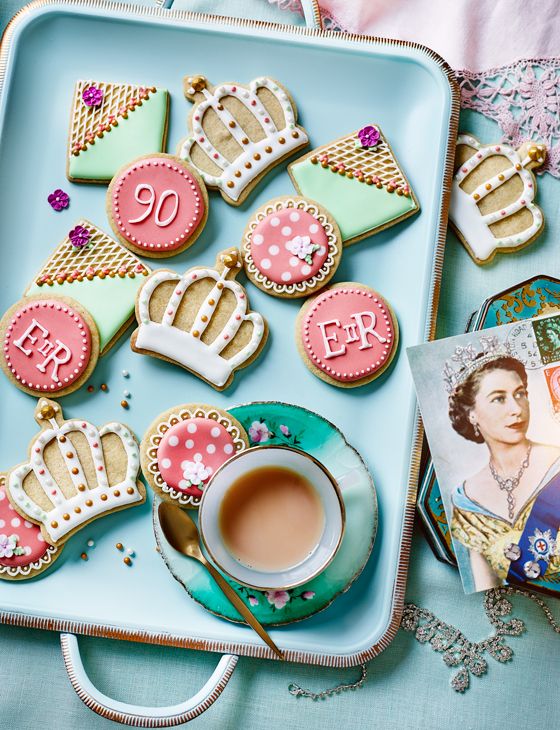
x=490 y=403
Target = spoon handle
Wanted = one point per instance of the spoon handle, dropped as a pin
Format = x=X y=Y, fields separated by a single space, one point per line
x=232 y=596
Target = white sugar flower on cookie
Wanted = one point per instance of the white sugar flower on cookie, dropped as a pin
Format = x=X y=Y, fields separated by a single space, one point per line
x=291 y=247
x=183 y=448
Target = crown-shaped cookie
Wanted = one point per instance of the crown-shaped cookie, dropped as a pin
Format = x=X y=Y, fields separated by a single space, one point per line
x=188 y=320
x=238 y=133
x=492 y=205
x=75 y=473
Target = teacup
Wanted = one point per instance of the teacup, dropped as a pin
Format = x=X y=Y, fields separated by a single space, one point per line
x=272 y=517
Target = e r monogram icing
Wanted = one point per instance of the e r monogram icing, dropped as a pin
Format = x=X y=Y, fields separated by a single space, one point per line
x=49 y=345
x=348 y=334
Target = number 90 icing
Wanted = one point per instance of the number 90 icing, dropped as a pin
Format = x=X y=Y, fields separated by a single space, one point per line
x=157 y=205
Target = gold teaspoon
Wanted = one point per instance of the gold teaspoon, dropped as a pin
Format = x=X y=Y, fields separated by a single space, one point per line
x=182 y=534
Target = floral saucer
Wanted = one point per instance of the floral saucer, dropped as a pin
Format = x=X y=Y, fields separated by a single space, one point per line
x=281 y=423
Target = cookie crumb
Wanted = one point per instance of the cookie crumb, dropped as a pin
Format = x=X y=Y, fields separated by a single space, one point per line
x=90 y=389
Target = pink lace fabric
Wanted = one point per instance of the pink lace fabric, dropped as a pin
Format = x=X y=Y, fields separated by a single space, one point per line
x=522 y=97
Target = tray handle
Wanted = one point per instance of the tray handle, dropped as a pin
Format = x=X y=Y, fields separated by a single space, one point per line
x=136 y=715
x=312 y=14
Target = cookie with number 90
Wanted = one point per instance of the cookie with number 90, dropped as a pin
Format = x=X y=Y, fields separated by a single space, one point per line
x=157 y=205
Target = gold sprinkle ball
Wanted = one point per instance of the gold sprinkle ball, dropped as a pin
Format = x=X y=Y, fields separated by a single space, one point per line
x=127 y=561
x=119 y=546
x=124 y=404
x=104 y=387
x=84 y=556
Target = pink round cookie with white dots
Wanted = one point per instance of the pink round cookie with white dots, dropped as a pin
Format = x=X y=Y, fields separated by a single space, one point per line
x=183 y=448
x=347 y=334
x=291 y=247
x=49 y=345
x=157 y=205
x=24 y=553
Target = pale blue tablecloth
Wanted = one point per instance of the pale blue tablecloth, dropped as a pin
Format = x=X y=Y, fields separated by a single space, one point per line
x=408 y=685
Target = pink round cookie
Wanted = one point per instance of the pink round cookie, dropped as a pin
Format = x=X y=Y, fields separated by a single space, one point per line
x=157 y=205
x=23 y=550
x=347 y=334
x=185 y=446
x=48 y=344
x=291 y=247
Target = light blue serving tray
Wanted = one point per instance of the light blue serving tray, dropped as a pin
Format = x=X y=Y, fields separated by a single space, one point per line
x=339 y=83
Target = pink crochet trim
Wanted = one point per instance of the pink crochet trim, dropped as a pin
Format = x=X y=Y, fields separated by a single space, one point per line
x=523 y=98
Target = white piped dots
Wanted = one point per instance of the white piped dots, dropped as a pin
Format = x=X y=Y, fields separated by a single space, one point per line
x=215 y=432
x=173 y=440
x=274 y=250
x=191 y=427
x=265 y=264
x=166 y=463
x=189 y=443
x=275 y=222
x=258 y=239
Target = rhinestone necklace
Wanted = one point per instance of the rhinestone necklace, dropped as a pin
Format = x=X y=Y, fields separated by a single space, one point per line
x=510 y=483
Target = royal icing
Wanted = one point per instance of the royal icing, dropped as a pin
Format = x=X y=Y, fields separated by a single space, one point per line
x=157 y=204
x=187 y=347
x=188 y=447
x=47 y=345
x=348 y=333
x=191 y=451
x=128 y=122
x=363 y=188
x=103 y=277
x=22 y=547
x=288 y=244
x=233 y=176
x=91 y=496
x=464 y=211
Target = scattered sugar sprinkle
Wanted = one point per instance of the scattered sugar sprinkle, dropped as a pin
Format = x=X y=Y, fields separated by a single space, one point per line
x=104 y=387
x=91 y=543
x=119 y=546
x=84 y=556
x=125 y=374
x=90 y=389
x=127 y=561
x=124 y=404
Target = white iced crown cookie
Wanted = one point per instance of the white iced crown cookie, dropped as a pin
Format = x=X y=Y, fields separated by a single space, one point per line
x=186 y=347
x=90 y=490
x=477 y=221
x=233 y=160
